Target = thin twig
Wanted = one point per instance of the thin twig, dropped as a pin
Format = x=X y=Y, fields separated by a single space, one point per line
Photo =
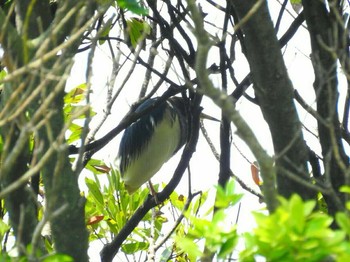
x=37 y=63
x=217 y=156
x=178 y=220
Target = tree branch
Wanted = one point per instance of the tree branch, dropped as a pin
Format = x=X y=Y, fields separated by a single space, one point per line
x=274 y=91
x=226 y=104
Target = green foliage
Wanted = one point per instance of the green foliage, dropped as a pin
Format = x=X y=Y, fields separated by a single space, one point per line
x=76 y=95
x=3 y=74
x=97 y=166
x=343 y=222
x=58 y=258
x=321 y=203
x=226 y=197
x=109 y=207
x=132 y=5
x=346 y=189
x=137 y=30
x=343 y=218
x=4 y=257
x=178 y=202
x=74 y=108
x=295 y=233
x=218 y=233
x=4 y=228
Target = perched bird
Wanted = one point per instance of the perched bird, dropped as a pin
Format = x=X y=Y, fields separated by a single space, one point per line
x=152 y=140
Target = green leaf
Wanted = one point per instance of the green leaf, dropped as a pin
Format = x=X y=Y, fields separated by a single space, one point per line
x=194 y=207
x=297 y=213
x=227 y=197
x=76 y=95
x=318 y=226
x=295 y=232
x=1 y=144
x=3 y=228
x=131 y=248
x=75 y=133
x=309 y=207
x=95 y=191
x=228 y=246
x=58 y=258
x=218 y=218
x=3 y=74
x=133 y=6
x=343 y=221
x=344 y=189
x=178 y=201
x=97 y=166
x=137 y=30
x=190 y=247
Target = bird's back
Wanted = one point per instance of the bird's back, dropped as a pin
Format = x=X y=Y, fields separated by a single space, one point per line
x=150 y=142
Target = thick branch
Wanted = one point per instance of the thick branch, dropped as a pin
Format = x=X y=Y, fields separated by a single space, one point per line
x=324 y=30
x=274 y=91
x=226 y=104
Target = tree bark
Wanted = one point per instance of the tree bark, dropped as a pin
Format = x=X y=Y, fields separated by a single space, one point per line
x=325 y=35
x=274 y=92
x=60 y=181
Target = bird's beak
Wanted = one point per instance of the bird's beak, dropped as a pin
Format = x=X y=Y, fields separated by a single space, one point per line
x=205 y=116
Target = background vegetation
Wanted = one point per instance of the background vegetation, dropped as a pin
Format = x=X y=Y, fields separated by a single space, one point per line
x=200 y=50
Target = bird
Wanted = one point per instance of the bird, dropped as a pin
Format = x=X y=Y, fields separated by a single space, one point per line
x=152 y=140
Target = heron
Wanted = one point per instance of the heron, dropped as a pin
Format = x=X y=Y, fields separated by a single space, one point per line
x=152 y=140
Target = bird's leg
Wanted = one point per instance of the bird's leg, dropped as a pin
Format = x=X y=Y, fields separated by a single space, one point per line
x=153 y=192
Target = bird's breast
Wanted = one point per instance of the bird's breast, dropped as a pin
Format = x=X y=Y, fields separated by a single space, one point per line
x=159 y=148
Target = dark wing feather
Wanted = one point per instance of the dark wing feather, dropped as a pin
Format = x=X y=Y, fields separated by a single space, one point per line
x=138 y=134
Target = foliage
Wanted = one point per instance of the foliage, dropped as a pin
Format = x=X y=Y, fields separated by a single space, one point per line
x=74 y=109
x=218 y=235
x=132 y=5
x=295 y=232
x=4 y=229
x=109 y=207
x=137 y=30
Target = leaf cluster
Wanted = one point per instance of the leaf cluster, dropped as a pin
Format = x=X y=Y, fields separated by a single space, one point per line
x=218 y=235
x=295 y=232
x=109 y=207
